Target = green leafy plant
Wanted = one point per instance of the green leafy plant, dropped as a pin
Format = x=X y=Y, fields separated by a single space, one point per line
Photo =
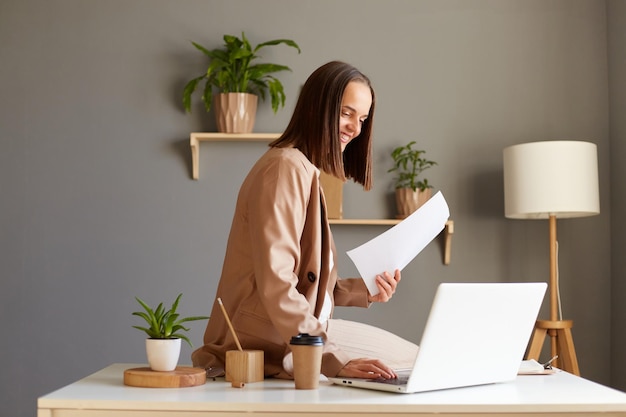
x=231 y=70
x=164 y=324
x=409 y=164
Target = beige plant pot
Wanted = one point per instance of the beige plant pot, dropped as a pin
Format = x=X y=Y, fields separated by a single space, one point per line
x=235 y=112
x=163 y=354
x=407 y=200
x=333 y=192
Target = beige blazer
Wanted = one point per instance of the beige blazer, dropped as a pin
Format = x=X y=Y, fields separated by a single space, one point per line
x=276 y=267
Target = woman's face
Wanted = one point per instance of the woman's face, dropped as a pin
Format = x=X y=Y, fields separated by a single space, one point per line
x=355 y=107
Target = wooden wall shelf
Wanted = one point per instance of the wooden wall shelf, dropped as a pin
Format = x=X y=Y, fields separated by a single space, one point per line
x=372 y=222
x=196 y=137
x=447 y=232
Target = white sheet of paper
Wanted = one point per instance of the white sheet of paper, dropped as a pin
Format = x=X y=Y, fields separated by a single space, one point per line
x=396 y=247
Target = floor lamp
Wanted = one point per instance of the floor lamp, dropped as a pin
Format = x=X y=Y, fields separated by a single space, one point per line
x=550 y=180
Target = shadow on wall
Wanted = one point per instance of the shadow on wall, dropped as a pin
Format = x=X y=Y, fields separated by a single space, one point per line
x=182 y=150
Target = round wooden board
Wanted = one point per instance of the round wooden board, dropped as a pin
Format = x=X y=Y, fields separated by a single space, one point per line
x=178 y=378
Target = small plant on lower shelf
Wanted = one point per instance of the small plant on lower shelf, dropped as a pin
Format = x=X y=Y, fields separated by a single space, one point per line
x=411 y=190
x=165 y=324
x=409 y=164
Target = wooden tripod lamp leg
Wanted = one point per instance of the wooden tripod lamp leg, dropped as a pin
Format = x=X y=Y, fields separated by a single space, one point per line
x=560 y=331
x=563 y=344
x=566 y=351
x=536 y=343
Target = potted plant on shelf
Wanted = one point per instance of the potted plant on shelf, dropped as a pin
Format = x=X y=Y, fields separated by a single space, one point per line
x=411 y=190
x=165 y=331
x=239 y=82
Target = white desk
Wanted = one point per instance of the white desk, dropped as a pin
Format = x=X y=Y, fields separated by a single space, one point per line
x=104 y=393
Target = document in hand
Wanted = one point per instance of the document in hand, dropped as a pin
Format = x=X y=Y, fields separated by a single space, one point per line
x=397 y=246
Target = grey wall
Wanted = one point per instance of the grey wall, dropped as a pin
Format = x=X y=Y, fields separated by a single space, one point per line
x=616 y=13
x=97 y=204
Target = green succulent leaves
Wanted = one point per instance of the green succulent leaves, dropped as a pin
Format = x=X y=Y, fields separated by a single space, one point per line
x=164 y=324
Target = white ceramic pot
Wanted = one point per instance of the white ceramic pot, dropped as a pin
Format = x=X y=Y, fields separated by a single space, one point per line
x=163 y=354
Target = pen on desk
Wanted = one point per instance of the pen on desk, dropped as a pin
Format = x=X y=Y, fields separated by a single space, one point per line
x=230 y=325
x=548 y=365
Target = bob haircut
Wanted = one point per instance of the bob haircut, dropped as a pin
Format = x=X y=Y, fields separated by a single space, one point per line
x=314 y=125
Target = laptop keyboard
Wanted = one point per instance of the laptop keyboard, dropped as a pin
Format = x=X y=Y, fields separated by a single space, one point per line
x=400 y=380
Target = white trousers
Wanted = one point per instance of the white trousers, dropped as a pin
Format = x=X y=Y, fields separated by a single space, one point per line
x=360 y=340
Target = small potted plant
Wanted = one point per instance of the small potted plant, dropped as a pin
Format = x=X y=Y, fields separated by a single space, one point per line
x=165 y=331
x=239 y=82
x=411 y=190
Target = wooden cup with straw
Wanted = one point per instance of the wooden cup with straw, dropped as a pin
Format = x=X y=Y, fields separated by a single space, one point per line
x=242 y=366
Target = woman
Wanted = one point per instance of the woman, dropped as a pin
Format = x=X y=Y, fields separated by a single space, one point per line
x=279 y=277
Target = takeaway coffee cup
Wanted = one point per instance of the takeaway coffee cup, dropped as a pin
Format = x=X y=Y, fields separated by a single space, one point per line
x=307 y=360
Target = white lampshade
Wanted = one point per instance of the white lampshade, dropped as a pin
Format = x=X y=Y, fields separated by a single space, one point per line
x=551 y=178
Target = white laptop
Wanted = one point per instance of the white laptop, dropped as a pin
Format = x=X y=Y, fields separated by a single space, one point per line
x=476 y=334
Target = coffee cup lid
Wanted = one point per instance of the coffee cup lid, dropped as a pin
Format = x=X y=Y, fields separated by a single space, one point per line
x=307 y=339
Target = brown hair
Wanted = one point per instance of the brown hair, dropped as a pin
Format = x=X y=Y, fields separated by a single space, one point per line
x=314 y=125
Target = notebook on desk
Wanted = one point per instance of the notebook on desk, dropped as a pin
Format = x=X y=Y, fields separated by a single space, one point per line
x=476 y=334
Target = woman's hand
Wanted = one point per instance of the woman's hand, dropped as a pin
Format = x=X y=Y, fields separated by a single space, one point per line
x=386 y=286
x=367 y=368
